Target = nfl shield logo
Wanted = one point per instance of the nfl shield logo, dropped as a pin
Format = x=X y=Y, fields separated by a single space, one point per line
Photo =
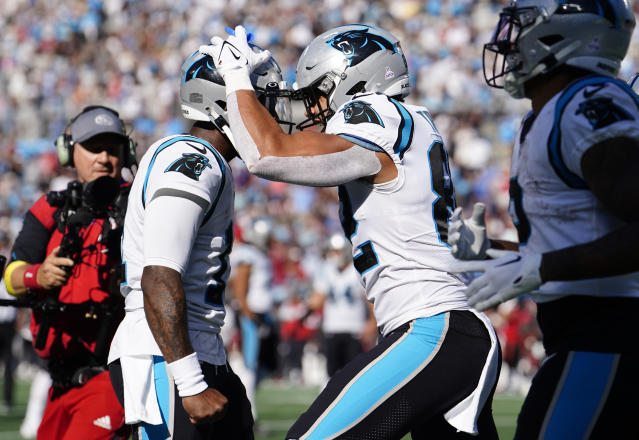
x=389 y=73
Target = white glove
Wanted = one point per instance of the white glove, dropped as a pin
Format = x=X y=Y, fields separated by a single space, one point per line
x=235 y=59
x=507 y=275
x=467 y=238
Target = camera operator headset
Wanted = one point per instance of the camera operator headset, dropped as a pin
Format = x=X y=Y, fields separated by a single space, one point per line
x=86 y=305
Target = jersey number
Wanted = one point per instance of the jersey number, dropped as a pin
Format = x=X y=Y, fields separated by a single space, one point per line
x=516 y=208
x=366 y=259
x=214 y=294
x=443 y=188
x=347 y=295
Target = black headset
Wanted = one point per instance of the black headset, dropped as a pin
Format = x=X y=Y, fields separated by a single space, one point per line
x=64 y=143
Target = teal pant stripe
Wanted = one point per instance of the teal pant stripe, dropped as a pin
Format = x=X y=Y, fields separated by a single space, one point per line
x=389 y=372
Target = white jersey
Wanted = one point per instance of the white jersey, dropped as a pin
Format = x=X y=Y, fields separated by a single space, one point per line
x=399 y=229
x=180 y=167
x=345 y=308
x=550 y=203
x=258 y=297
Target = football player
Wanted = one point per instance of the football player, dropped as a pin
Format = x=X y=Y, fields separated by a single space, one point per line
x=574 y=174
x=348 y=323
x=433 y=372
x=251 y=284
x=177 y=238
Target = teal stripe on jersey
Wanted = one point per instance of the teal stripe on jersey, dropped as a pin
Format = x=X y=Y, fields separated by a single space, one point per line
x=405 y=131
x=399 y=364
x=585 y=386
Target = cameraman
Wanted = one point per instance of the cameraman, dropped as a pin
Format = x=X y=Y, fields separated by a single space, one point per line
x=81 y=402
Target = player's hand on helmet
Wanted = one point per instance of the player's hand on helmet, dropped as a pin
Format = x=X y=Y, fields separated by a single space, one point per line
x=234 y=54
x=467 y=238
x=208 y=406
x=51 y=273
x=506 y=275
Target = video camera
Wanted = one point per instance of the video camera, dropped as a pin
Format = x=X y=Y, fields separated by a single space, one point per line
x=81 y=202
x=78 y=205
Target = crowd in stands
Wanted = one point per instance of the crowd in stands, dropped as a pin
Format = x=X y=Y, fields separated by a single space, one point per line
x=57 y=56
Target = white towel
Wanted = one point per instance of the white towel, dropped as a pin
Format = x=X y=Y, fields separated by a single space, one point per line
x=464 y=415
x=140 y=400
x=134 y=345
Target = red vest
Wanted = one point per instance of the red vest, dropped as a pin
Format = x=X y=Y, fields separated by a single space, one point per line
x=91 y=280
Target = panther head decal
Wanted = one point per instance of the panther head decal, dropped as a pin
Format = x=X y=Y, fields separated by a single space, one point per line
x=203 y=68
x=359 y=112
x=358 y=44
x=190 y=164
x=602 y=112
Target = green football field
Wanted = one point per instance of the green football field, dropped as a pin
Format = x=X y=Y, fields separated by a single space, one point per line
x=278 y=406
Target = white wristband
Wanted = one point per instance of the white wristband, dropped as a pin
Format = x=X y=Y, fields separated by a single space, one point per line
x=187 y=375
x=237 y=79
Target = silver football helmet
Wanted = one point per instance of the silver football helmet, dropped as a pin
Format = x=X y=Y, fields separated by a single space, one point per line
x=346 y=60
x=203 y=93
x=534 y=37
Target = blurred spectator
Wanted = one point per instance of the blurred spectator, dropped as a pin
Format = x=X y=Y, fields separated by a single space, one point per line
x=298 y=325
x=348 y=324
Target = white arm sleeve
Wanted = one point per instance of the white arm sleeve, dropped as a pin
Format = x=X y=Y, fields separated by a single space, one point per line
x=243 y=142
x=170 y=227
x=322 y=170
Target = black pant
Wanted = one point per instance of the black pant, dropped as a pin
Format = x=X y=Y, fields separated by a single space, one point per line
x=7 y=332
x=236 y=424
x=406 y=384
x=582 y=395
x=340 y=348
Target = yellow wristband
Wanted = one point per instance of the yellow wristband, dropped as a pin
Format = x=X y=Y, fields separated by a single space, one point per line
x=7 y=274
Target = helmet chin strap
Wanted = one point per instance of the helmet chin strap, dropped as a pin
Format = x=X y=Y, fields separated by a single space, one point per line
x=221 y=125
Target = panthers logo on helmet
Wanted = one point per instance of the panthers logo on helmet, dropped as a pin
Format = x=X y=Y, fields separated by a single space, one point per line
x=203 y=68
x=359 y=112
x=356 y=45
x=602 y=112
x=190 y=164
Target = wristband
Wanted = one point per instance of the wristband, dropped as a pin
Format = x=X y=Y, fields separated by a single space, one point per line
x=187 y=375
x=9 y=271
x=237 y=79
x=30 y=278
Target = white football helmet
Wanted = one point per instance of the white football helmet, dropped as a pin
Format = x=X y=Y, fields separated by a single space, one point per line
x=339 y=249
x=203 y=93
x=259 y=232
x=346 y=60
x=534 y=37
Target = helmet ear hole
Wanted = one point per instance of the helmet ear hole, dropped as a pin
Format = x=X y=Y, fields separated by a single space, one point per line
x=550 y=40
x=359 y=87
